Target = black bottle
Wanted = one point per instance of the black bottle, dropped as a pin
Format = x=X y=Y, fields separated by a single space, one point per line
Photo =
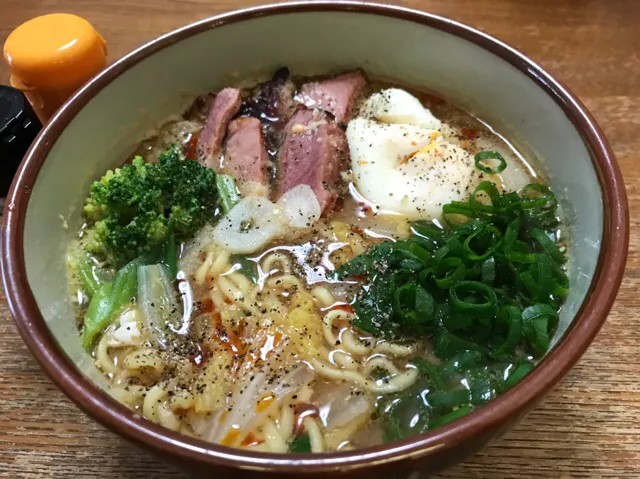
x=19 y=126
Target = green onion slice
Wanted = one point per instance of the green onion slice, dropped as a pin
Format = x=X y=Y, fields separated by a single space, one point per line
x=452 y=416
x=490 y=155
x=414 y=306
x=510 y=317
x=548 y=245
x=480 y=244
x=537 y=322
x=448 y=271
x=537 y=196
x=520 y=371
x=489 y=271
x=473 y=298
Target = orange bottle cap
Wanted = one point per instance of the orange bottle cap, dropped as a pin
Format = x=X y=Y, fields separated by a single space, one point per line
x=54 y=55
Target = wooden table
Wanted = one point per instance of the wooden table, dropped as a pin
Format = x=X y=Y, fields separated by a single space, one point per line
x=588 y=427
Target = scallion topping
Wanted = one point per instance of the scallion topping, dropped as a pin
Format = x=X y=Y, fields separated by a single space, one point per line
x=490 y=156
x=487 y=288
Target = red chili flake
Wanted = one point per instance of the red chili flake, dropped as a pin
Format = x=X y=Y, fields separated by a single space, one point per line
x=201 y=357
x=347 y=308
x=470 y=133
x=302 y=411
x=250 y=440
x=206 y=306
x=357 y=230
x=364 y=210
x=358 y=277
x=191 y=147
x=430 y=100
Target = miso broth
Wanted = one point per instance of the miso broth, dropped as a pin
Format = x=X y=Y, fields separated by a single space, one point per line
x=262 y=279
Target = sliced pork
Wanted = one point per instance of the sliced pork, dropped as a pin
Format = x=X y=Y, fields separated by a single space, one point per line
x=199 y=109
x=313 y=153
x=246 y=157
x=337 y=95
x=272 y=102
x=225 y=105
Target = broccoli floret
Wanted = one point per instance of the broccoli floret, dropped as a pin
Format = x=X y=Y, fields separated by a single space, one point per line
x=135 y=208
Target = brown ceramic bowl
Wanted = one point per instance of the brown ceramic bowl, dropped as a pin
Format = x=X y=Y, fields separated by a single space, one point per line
x=101 y=124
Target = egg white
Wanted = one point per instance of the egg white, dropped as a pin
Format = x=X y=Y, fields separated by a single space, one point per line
x=394 y=105
x=401 y=162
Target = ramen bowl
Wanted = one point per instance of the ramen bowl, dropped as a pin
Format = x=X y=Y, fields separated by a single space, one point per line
x=103 y=122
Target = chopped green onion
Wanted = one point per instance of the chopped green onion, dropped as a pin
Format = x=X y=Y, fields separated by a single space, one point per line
x=429 y=232
x=410 y=255
x=450 y=398
x=456 y=213
x=451 y=247
x=511 y=318
x=489 y=189
x=520 y=371
x=448 y=271
x=488 y=286
x=537 y=196
x=430 y=371
x=300 y=444
x=512 y=232
x=448 y=345
x=489 y=271
x=480 y=244
x=452 y=416
x=548 y=245
x=538 y=321
x=415 y=306
x=473 y=298
x=508 y=203
x=561 y=286
x=490 y=155
x=538 y=280
x=520 y=253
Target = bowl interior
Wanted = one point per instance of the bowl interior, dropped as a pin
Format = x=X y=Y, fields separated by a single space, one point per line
x=106 y=129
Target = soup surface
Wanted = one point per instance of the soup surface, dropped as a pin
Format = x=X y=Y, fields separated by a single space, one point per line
x=317 y=264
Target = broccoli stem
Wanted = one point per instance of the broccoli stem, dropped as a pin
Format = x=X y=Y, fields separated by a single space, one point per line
x=227 y=191
x=170 y=257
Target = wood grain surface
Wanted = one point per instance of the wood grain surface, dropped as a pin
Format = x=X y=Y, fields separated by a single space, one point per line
x=588 y=427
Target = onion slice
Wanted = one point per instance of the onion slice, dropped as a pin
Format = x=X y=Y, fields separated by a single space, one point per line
x=127 y=333
x=160 y=310
x=250 y=225
x=338 y=405
x=255 y=221
x=300 y=206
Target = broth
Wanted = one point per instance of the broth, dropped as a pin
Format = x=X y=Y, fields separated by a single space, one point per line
x=266 y=353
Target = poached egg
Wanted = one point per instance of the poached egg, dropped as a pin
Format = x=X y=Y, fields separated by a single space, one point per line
x=400 y=160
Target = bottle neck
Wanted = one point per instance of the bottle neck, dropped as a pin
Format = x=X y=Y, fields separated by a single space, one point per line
x=44 y=102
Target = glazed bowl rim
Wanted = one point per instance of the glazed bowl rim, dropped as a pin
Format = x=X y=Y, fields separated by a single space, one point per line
x=109 y=412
